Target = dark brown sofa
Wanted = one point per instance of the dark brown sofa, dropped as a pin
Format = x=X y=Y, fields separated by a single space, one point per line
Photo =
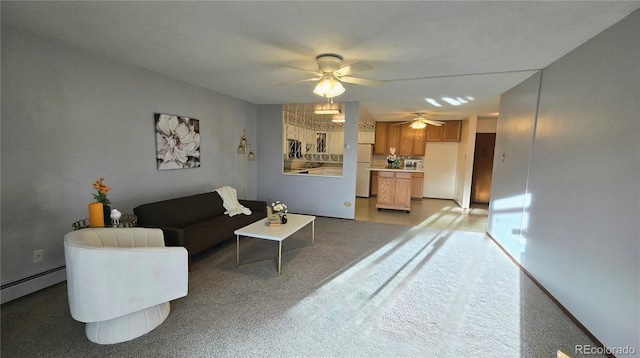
x=197 y=222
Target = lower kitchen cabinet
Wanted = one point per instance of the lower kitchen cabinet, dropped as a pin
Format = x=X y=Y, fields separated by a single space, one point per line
x=417 y=185
x=374 y=183
x=394 y=190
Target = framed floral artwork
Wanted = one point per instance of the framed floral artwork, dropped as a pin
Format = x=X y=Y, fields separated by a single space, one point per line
x=177 y=142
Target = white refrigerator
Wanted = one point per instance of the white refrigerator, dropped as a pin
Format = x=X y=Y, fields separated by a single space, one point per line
x=363 y=176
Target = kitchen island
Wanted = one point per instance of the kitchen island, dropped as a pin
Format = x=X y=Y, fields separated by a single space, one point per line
x=394 y=188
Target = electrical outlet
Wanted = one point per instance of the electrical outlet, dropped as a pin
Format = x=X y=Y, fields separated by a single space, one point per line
x=37 y=255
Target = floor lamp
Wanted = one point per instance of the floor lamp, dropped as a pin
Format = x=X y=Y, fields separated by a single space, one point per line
x=251 y=157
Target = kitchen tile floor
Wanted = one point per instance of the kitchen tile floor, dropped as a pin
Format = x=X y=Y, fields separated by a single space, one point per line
x=433 y=213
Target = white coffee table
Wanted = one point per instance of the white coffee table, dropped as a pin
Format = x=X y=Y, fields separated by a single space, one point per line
x=260 y=230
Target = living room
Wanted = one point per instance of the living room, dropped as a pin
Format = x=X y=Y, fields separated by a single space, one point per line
x=71 y=116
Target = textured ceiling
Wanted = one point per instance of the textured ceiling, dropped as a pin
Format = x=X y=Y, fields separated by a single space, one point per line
x=236 y=48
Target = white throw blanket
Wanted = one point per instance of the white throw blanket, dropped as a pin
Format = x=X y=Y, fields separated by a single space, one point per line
x=230 y=202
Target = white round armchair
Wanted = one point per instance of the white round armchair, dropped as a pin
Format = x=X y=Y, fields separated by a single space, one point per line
x=120 y=280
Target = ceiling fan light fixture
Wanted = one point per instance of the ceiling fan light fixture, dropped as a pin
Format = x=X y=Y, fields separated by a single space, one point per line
x=418 y=125
x=338 y=119
x=328 y=108
x=327 y=111
x=329 y=87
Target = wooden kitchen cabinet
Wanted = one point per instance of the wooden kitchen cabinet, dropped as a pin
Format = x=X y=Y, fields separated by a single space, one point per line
x=374 y=183
x=394 y=190
x=417 y=185
x=452 y=131
x=380 y=146
x=448 y=132
x=406 y=140
x=412 y=141
x=393 y=137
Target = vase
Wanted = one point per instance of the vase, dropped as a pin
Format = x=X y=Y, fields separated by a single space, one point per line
x=96 y=215
x=283 y=218
x=106 y=214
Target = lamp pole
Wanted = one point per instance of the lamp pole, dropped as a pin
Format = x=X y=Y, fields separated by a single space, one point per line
x=242 y=149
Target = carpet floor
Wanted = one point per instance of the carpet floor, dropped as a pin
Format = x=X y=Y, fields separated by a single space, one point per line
x=363 y=290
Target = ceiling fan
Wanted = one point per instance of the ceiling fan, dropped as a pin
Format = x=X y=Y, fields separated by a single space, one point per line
x=330 y=75
x=420 y=122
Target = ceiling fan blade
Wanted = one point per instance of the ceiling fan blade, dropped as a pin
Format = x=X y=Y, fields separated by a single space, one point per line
x=433 y=122
x=361 y=81
x=302 y=69
x=353 y=68
x=397 y=124
x=298 y=81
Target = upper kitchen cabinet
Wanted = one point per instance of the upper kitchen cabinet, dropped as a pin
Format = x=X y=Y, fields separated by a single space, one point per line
x=448 y=132
x=412 y=141
x=406 y=140
x=381 y=146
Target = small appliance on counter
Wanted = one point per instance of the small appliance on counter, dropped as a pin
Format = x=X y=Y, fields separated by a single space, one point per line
x=413 y=164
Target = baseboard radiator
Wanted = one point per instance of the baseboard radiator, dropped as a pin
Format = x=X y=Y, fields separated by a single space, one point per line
x=22 y=287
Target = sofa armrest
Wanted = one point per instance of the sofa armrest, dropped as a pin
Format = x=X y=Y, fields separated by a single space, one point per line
x=256 y=206
x=173 y=236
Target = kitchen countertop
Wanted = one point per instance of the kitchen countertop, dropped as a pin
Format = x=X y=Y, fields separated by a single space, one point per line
x=385 y=169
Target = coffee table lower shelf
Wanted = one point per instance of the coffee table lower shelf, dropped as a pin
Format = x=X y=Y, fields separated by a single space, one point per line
x=260 y=230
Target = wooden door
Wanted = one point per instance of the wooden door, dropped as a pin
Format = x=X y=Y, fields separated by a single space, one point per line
x=482 y=167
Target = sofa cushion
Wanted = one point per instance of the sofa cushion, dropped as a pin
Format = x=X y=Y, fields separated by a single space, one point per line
x=203 y=235
x=180 y=212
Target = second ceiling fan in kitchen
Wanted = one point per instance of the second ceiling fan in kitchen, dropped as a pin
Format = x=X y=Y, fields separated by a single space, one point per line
x=419 y=122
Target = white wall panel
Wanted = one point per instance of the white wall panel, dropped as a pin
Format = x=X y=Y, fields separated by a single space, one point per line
x=582 y=232
x=440 y=169
x=316 y=195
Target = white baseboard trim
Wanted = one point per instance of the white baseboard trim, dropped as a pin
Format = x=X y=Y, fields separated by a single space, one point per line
x=31 y=284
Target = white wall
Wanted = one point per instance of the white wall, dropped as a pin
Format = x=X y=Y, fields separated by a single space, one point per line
x=440 y=162
x=69 y=117
x=514 y=139
x=582 y=233
x=487 y=125
x=464 y=162
x=315 y=195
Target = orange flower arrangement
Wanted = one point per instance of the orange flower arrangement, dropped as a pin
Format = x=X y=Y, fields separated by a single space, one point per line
x=102 y=189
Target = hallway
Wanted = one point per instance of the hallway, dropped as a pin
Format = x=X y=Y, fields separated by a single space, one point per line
x=433 y=213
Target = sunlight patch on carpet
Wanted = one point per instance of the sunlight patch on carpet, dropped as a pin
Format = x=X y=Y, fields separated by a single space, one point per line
x=418 y=292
